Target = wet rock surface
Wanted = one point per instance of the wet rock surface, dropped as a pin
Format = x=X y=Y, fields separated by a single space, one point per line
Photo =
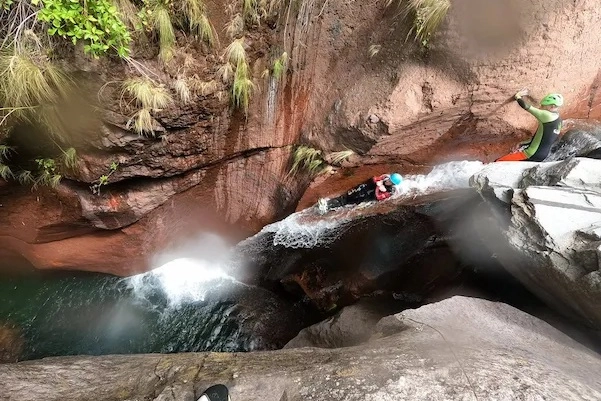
x=460 y=348
x=391 y=246
x=552 y=238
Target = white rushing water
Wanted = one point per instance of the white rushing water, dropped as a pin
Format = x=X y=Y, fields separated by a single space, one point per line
x=305 y=229
x=186 y=273
x=444 y=177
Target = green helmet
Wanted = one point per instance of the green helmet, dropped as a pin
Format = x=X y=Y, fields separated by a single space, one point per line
x=552 y=99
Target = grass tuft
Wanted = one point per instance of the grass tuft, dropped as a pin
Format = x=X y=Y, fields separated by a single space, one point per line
x=235 y=27
x=242 y=87
x=336 y=158
x=182 y=89
x=280 y=66
x=161 y=22
x=203 y=88
x=128 y=13
x=226 y=72
x=235 y=53
x=5 y=151
x=427 y=14
x=70 y=158
x=143 y=122
x=25 y=177
x=30 y=88
x=148 y=96
x=308 y=159
x=5 y=172
x=147 y=93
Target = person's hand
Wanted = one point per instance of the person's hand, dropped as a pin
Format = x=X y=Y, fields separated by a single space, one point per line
x=523 y=92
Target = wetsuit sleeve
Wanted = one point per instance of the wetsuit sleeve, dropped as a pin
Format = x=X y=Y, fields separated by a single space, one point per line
x=544 y=116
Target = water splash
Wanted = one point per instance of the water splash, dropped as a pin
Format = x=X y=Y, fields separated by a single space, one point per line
x=187 y=273
x=444 y=177
x=181 y=280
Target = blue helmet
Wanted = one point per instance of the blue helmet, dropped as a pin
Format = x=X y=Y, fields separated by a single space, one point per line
x=396 y=178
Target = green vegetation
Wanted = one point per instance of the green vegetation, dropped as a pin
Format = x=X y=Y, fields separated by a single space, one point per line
x=308 y=159
x=242 y=85
x=147 y=96
x=30 y=86
x=160 y=16
x=427 y=16
x=96 y=22
x=48 y=173
x=336 y=158
x=280 y=66
x=104 y=179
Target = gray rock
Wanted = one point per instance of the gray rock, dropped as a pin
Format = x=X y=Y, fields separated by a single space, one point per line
x=457 y=349
x=553 y=235
x=353 y=325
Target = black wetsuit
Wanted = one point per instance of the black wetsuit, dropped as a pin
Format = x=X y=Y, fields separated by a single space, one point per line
x=549 y=127
x=363 y=192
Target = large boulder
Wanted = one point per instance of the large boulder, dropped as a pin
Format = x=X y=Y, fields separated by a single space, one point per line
x=392 y=246
x=553 y=237
x=460 y=348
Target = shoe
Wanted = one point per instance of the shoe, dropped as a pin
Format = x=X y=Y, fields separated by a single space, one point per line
x=218 y=392
x=322 y=205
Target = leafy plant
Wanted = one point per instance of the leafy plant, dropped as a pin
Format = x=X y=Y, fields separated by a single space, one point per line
x=48 y=174
x=307 y=158
x=95 y=22
x=104 y=179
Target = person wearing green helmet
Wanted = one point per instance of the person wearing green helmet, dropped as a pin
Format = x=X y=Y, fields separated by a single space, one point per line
x=376 y=188
x=549 y=127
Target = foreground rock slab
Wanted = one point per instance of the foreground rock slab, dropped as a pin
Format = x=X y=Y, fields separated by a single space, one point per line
x=458 y=349
x=553 y=230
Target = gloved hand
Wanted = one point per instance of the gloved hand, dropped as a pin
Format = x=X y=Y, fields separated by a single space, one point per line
x=523 y=92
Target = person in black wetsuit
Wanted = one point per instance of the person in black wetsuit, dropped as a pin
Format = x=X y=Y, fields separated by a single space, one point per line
x=376 y=188
x=549 y=127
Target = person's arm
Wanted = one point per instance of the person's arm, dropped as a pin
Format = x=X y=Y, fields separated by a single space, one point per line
x=544 y=116
x=381 y=195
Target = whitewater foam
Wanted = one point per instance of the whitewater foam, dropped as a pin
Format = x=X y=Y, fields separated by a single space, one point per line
x=182 y=280
x=444 y=177
x=305 y=230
